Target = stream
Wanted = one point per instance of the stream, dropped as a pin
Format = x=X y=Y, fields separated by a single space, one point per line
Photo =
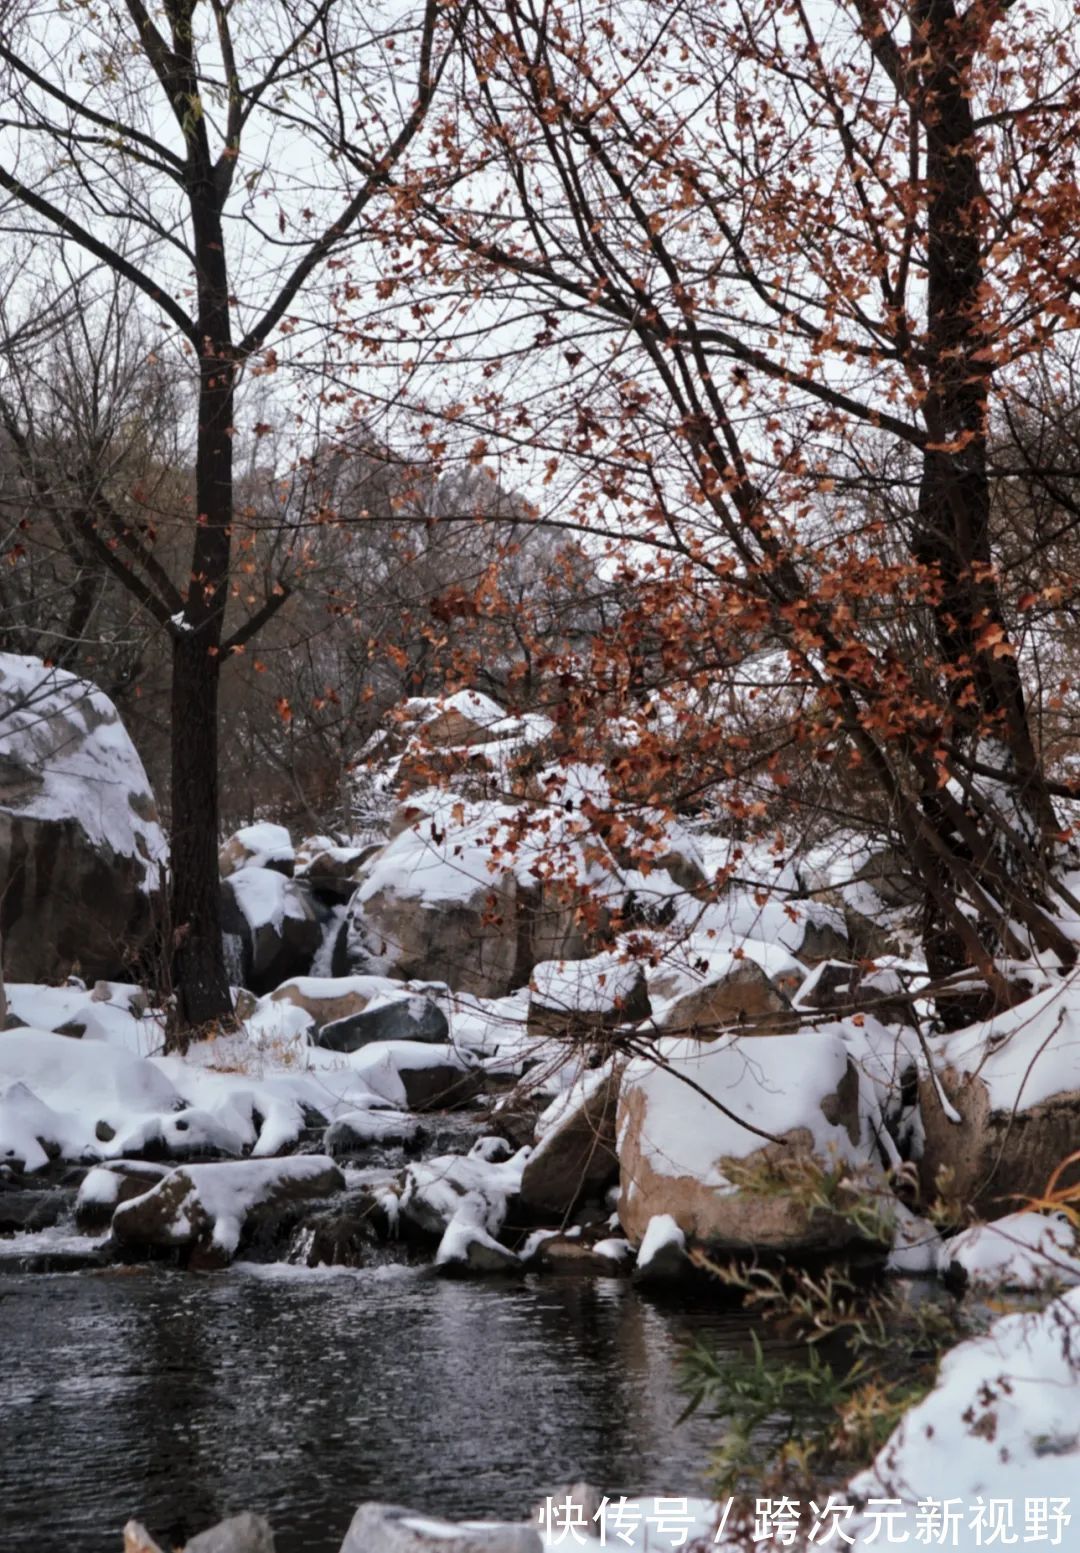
x=179 y=1399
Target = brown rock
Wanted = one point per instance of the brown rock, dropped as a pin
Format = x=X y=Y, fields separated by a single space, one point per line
x=577 y=1157
x=324 y=1009
x=993 y=1159
x=772 y=1207
x=201 y=1210
x=744 y=996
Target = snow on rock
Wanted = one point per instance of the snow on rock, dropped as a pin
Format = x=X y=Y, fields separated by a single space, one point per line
x=276 y=923
x=459 y=896
x=467 y=1249
x=463 y=1189
x=120 y=1019
x=356 y=1130
x=917 y=1246
x=999 y=1426
x=1015 y=1083
x=206 y=1207
x=681 y=1138
x=105 y=1187
x=722 y=990
x=414 y=1017
x=1020 y=1251
x=416 y=1075
x=328 y=998
x=81 y=850
x=662 y=1253
x=258 y=846
x=575 y=1156
x=581 y=995
x=86 y=1100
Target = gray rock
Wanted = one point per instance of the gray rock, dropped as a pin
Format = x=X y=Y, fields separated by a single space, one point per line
x=387 y=1528
x=246 y=1533
x=78 y=878
x=407 y=1019
x=440 y=1088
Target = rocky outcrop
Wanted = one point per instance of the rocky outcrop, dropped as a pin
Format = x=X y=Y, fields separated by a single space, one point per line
x=460 y=897
x=579 y=998
x=274 y=923
x=81 y=851
x=575 y=1156
x=685 y=1153
x=741 y=995
x=203 y=1210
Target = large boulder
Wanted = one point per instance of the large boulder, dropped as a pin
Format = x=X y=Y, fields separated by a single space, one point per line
x=582 y=997
x=465 y=895
x=415 y=1018
x=202 y=1210
x=575 y=1156
x=1001 y=1110
x=82 y=855
x=739 y=993
x=273 y=925
x=685 y=1153
x=329 y=998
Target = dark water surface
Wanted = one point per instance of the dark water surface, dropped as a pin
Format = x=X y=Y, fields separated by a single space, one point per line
x=179 y=1399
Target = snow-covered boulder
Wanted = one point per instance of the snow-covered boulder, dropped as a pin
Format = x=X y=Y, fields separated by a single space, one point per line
x=273 y=923
x=416 y=1075
x=578 y=997
x=258 y=846
x=462 y=1189
x=685 y=1152
x=104 y=1188
x=415 y=1018
x=81 y=851
x=329 y=998
x=204 y=1209
x=463 y=896
x=995 y=1441
x=1020 y=1251
x=738 y=992
x=661 y=1255
x=467 y=1250
x=387 y=1528
x=1000 y=1111
x=359 y=1130
x=70 y=1098
x=575 y=1156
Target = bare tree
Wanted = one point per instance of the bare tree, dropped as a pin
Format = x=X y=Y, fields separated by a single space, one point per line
x=216 y=167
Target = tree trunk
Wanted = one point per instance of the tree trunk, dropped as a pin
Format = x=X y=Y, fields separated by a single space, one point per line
x=952 y=530
x=199 y=974
x=198 y=963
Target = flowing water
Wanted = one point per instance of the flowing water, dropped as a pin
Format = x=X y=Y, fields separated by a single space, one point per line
x=179 y=1399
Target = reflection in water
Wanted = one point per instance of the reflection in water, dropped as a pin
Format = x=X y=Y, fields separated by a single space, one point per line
x=180 y=1400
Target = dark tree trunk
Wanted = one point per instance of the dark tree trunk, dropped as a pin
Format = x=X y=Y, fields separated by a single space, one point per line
x=952 y=532
x=198 y=965
x=199 y=974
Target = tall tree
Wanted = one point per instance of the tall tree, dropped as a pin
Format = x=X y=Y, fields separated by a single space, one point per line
x=777 y=259
x=217 y=158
